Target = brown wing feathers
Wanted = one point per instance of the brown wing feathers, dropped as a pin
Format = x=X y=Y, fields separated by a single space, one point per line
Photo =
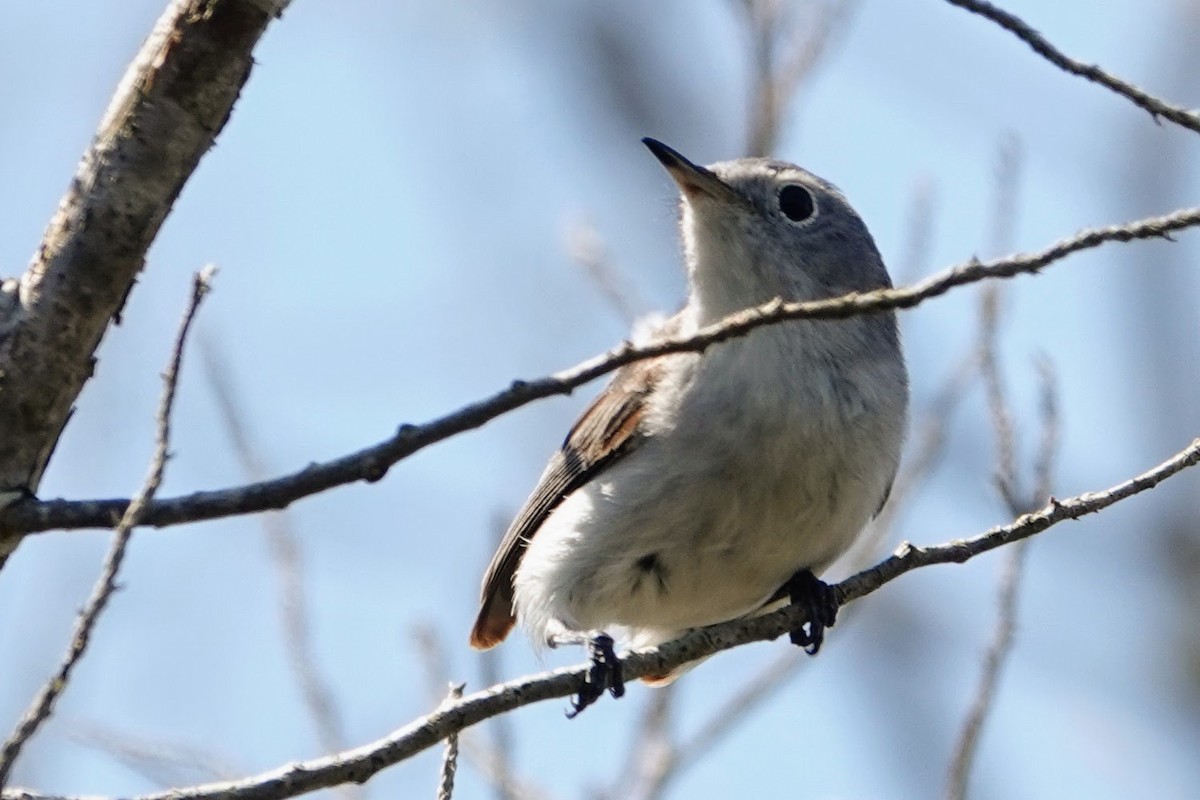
x=607 y=430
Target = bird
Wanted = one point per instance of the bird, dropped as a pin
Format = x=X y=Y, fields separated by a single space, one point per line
x=701 y=487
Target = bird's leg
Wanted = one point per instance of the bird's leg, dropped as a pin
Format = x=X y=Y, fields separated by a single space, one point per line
x=604 y=674
x=821 y=602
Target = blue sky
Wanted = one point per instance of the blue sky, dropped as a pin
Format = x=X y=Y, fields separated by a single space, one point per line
x=388 y=207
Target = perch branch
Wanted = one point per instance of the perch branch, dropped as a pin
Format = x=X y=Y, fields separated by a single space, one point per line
x=372 y=463
x=361 y=763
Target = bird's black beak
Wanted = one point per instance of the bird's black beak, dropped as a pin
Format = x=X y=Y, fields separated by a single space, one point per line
x=692 y=178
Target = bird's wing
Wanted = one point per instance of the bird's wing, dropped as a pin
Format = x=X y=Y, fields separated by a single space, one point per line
x=609 y=429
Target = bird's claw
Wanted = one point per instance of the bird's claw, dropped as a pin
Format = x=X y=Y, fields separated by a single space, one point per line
x=821 y=602
x=605 y=673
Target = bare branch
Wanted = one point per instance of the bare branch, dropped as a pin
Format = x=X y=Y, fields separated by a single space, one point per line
x=1043 y=463
x=1008 y=167
x=1006 y=485
x=909 y=557
x=161 y=762
x=43 y=705
x=432 y=657
x=652 y=754
x=372 y=463
x=922 y=205
x=586 y=248
x=172 y=102
x=492 y=760
x=798 y=65
x=787 y=43
x=1002 y=426
x=420 y=734
x=733 y=709
x=285 y=556
x=497 y=761
x=1010 y=581
x=993 y=661
x=450 y=757
x=1006 y=477
x=1010 y=158
x=1019 y=28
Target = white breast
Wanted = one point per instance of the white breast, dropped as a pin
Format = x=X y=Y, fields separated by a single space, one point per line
x=764 y=459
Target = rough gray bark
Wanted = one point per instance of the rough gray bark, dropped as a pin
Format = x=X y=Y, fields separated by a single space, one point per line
x=172 y=102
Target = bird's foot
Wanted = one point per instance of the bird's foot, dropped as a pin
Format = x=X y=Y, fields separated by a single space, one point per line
x=605 y=673
x=821 y=602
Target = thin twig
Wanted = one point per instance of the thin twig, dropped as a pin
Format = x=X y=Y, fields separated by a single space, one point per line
x=43 y=705
x=1010 y=162
x=372 y=463
x=1023 y=31
x=1047 y=453
x=161 y=762
x=1005 y=475
x=1006 y=486
x=909 y=557
x=652 y=754
x=432 y=657
x=493 y=761
x=586 y=248
x=1008 y=168
x=922 y=205
x=361 y=763
x=993 y=661
x=285 y=556
x=750 y=695
x=1010 y=584
x=450 y=757
x=499 y=767
x=788 y=42
x=800 y=63
x=1006 y=478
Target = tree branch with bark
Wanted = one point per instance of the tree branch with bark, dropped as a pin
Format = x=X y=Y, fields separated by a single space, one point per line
x=372 y=463
x=173 y=101
x=362 y=763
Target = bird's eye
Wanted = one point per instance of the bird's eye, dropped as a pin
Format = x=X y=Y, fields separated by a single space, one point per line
x=796 y=202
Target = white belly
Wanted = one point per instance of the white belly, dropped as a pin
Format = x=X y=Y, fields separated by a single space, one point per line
x=731 y=496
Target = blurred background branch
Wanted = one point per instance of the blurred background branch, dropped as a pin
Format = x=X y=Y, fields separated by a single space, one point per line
x=390 y=202
x=1006 y=478
x=787 y=44
x=286 y=559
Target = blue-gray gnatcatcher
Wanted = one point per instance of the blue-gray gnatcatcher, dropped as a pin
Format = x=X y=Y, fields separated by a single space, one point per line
x=699 y=488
